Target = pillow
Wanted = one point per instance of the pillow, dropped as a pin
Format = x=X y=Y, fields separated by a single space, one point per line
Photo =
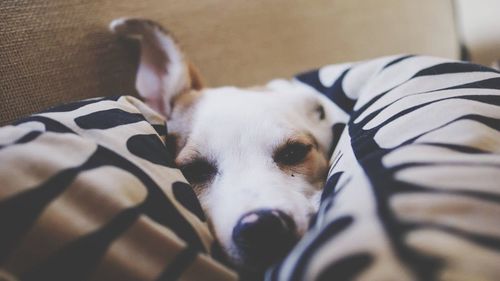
x=89 y=191
x=414 y=188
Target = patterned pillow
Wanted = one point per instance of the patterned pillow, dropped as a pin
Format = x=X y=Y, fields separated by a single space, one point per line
x=414 y=189
x=88 y=191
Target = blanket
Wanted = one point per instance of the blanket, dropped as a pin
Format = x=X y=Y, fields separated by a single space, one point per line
x=89 y=190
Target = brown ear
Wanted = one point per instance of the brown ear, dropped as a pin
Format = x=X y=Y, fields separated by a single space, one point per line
x=196 y=79
x=163 y=71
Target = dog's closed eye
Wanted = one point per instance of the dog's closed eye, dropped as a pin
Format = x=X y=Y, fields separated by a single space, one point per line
x=198 y=171
x=292 y=153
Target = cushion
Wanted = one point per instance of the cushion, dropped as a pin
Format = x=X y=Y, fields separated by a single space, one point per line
x=89 y=188
x=413 y=192
x=89 y=192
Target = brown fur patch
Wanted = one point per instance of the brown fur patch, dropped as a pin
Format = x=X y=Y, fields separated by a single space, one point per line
x=314 y=168
x=179 y=123
x=315 y=165
x=151 y=50
x=199 y=189
x=186 y=100
x=196 y=79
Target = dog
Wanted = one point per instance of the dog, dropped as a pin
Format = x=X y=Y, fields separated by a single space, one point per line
x=256 y=157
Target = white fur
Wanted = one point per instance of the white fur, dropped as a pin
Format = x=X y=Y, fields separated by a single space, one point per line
x=238 y=130
x=151 y=83
x=176 y=80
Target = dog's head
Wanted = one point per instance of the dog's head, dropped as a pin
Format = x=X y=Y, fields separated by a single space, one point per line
x=256 y=157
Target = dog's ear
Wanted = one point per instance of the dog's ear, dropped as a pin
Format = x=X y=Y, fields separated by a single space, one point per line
x=163 y=71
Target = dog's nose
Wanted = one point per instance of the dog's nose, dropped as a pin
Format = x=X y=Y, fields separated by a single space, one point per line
x=264 y=236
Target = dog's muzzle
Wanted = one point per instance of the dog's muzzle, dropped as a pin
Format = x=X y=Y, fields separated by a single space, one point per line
x=263 y=237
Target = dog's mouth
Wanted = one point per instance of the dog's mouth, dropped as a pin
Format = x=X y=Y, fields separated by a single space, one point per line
x=264 y=237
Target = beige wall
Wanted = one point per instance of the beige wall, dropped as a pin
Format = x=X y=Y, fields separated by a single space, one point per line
x=247 y=42
x=480 y=27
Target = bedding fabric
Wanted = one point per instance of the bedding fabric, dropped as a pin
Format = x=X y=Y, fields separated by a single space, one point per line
x=414 y=188
x=88 y=192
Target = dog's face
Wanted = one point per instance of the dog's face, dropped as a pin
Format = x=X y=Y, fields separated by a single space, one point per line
x=247 y=151
x=256 y=157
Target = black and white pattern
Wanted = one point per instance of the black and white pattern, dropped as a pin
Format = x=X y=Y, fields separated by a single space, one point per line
x=89 y=191
x=413 y=192
x=414 y=188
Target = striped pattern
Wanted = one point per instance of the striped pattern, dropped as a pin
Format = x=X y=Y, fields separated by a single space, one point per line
x=89 y=192
x=414 y=188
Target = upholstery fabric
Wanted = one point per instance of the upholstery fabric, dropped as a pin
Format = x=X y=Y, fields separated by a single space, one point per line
x=61 y=50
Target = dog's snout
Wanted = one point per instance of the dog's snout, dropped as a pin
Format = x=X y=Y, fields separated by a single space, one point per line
x=264 y=236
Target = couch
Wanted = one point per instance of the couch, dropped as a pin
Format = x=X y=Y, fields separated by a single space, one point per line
x=57 y=52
